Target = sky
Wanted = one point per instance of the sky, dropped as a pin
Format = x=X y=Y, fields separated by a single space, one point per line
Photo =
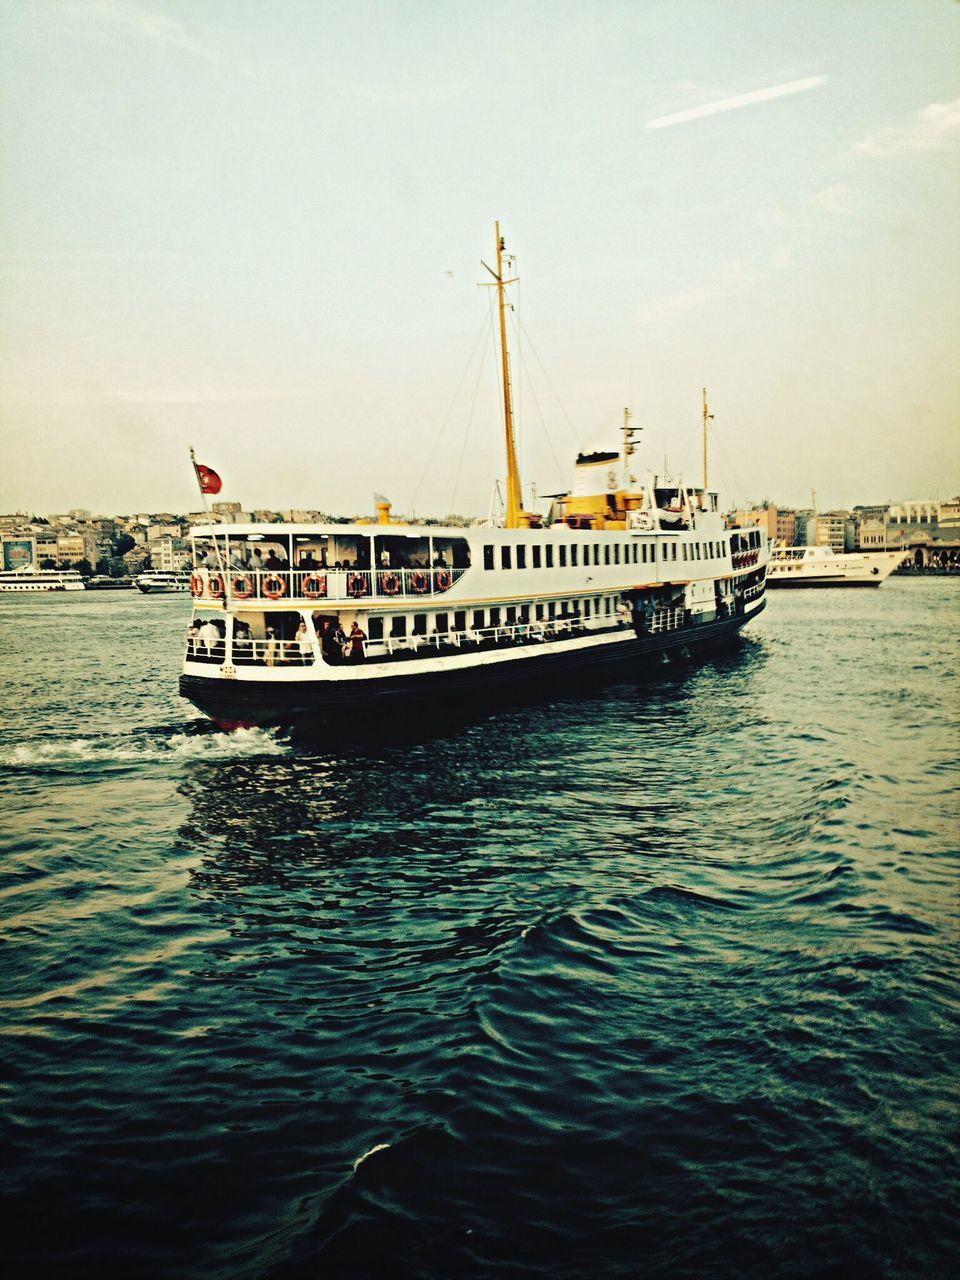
x=257 y=229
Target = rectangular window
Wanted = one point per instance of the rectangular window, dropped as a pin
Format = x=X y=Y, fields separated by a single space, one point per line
x=635 y=551
x=460 y=620
x=495 y=617
x=596 y=553
x=684 y=551
x=440 y=623
x=616 y=553
x=375 y=628
x=698 y=550
x=478 y=619
x=586 y=608
x=511 y=615
x=419 y=624
x=573 y=556
x=487 y=556
x=673 y=551
x=562 y=552
x=606 y=554
x=536 y=557
x=549 y=551
x=524 y=613
x=538 y=612
x=505 y=557
x=552 y=609
x=398 y=626
x=521 y=557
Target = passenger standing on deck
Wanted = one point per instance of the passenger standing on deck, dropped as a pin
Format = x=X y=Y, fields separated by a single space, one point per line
x=208 y=636
x=357 y=639
x=302 y=640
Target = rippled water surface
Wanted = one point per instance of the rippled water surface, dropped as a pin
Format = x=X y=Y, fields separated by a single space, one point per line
x=660 y=983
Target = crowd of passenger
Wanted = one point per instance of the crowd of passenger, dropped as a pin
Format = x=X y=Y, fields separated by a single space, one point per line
x=252 y=560
x=207 y=642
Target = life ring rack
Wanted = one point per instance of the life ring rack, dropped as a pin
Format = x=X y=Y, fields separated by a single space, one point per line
x=390 y=583
x=419 y=582
x=443 y=580
x=356 y=585
x=215 y=586
x=273 y=586
x=314 y=586
x=196 y=586
x=241 y=584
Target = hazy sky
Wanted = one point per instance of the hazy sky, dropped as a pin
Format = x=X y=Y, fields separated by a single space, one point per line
x=257 y=228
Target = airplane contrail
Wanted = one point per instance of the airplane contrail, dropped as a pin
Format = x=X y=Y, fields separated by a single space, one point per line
x=741 y=100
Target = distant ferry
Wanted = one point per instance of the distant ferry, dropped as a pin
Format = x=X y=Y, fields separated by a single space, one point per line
x=152 y=581
x=30 y=579
x=824 y=567
x=307 y=624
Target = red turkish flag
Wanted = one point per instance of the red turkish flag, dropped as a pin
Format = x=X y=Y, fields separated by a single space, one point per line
x=208 y=479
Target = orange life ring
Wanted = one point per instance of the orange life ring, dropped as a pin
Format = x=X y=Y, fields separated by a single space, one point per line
x=196 y=585
x=242 y=586
x=215 y=586
x=419 y=581
x=314 y=585
x=278 y=589
x=389 y=583
x=356 y=585
x=443 y=580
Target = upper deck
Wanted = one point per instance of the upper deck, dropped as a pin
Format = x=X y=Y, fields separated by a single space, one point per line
x=276 y=565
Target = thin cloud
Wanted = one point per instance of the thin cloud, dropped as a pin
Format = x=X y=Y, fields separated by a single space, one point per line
x=936 y=128
x=835 y=199
x=735 y=103
x=156 y=28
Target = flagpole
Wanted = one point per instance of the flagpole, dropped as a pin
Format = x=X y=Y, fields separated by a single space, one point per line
x=221 y=568
x=196 y=472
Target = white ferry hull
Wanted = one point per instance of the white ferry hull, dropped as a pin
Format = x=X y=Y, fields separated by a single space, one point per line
x=555 y=669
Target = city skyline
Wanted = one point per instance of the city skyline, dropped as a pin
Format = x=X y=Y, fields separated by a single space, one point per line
x=260 y=232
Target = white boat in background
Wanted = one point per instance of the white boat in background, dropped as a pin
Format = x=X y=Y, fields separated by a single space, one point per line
x=824 y=567
x=30 y=579
x=154 y=581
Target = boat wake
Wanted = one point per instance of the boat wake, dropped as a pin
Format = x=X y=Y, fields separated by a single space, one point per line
x=163 y=745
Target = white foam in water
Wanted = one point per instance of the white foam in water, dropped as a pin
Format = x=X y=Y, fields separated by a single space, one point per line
x=208 y=746
x=381 y=1146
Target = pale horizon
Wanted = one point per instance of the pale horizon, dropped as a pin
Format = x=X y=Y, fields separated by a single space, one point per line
x=259 y=231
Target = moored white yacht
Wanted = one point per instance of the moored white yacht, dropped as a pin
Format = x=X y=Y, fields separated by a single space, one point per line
x=152 y=581
x=377 y=622
x=824 y=567
x=30 y=579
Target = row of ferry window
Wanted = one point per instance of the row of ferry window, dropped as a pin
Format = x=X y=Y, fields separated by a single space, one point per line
x=498 y=616
x=633 y=553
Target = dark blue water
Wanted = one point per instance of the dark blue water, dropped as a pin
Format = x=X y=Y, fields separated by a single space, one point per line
x=660 y=983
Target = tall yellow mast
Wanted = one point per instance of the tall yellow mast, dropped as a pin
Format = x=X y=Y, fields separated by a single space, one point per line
x=707 y=415
x=516 y=517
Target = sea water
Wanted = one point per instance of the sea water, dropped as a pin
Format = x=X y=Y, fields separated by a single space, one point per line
x=659 y=982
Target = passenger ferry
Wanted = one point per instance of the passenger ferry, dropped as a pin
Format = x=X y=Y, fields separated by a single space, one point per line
x=152 y=581
x=824 y=567
x=299 y=625
x=30 y=579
